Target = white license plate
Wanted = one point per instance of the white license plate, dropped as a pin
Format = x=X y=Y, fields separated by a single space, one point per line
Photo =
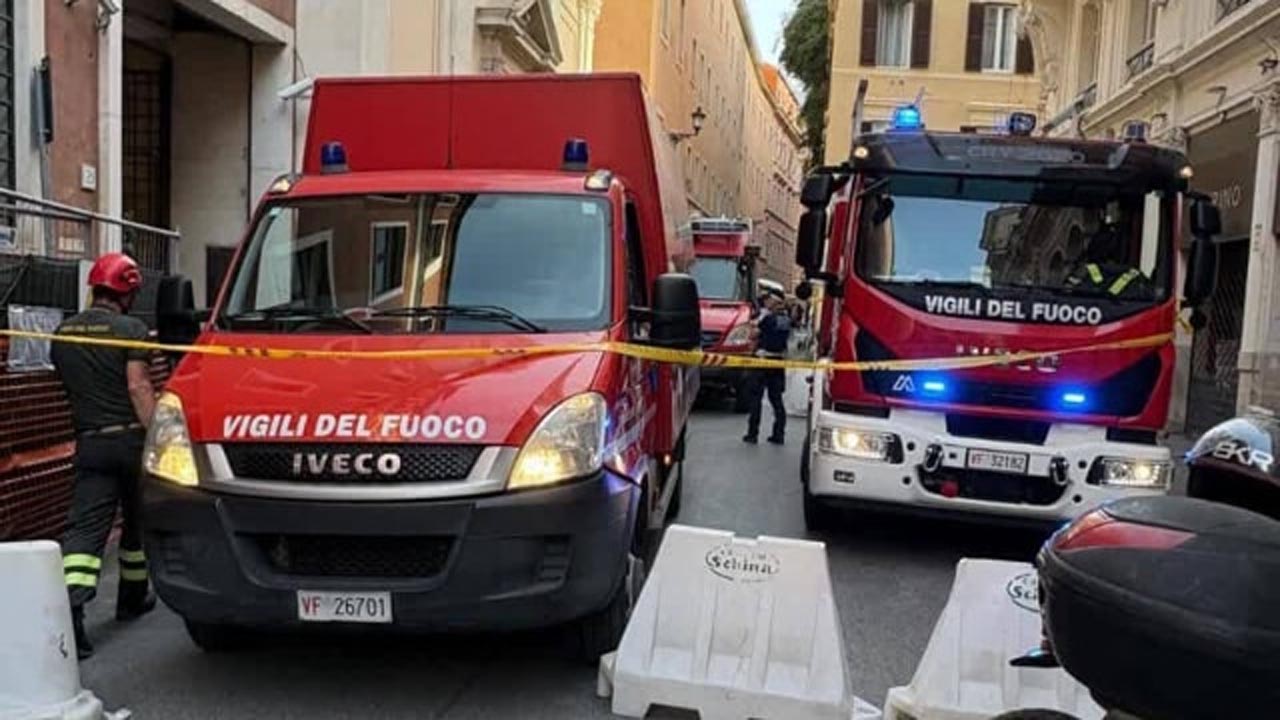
x=995 y=461
x=352 y=607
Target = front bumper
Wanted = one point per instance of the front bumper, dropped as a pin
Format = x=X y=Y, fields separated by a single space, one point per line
x=1033 y=496
x=496 y=562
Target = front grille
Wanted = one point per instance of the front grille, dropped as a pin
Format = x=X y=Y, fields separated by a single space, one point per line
x=1030 y=432
x=710 y=338
x=1124 y=394
x=994 y=486
x=320 y=462
x=355 y=556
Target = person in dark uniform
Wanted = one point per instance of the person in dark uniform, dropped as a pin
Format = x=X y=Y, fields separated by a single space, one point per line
x=112 y=400
x=772 y=332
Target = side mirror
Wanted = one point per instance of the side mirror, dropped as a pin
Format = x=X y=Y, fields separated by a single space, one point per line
x=177 y=321
x=675 y=319
x=810 y=238
x=817 y=190
x=1202 y=265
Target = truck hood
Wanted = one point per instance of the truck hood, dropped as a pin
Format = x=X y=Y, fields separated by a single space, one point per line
x=495 y=400
x=719 y=316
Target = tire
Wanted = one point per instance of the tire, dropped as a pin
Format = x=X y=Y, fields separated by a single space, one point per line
x=818 y=516
x=601 y=631
x=213 y=638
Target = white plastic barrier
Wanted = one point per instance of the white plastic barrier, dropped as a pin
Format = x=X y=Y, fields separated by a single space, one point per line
x=734 y=629
x=991 y=617
x=39 y=673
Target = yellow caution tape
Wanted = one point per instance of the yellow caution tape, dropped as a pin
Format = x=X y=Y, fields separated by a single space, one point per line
x=642 y=352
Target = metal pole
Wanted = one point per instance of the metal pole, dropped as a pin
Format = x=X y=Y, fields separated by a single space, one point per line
x=859 y=108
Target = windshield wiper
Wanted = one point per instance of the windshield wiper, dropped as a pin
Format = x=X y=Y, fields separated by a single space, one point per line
x=299 y=315
x=491 y=313
x=1078 y=290
x=966 y=284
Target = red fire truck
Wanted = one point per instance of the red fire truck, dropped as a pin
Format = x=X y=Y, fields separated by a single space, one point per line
x=725 y=270
x=496 y=492
x=946 y=245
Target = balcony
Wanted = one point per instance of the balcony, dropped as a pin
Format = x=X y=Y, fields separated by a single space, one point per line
x=1140 y=61
x=1226 y=7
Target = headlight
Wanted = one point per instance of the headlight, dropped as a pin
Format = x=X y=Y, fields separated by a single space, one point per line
x=168 y=450
x=1126 y=473
x=568 y=443
x=739 y=335
x=861 y=444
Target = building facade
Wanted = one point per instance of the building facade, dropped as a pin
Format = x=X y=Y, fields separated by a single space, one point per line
x=1203 y=75
x=913 y=50
x=700 y=56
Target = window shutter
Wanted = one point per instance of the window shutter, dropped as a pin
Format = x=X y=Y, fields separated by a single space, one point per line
x=870 y=23
x=921 y=29
x=1026 y=61
x=973 y=43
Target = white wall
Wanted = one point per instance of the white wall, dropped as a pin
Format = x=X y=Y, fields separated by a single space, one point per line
x=210 y=129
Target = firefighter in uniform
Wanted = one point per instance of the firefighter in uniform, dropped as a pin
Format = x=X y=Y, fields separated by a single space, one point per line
x=773 y=330
x=1099 y=270
x=111 y=399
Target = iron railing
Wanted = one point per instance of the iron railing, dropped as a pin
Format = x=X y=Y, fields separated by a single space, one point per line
x=1141 y=60
x=1226 y=7
x=33 y=226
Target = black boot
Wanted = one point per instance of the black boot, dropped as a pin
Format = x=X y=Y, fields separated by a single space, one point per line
x=134 y=600
x=84 y=648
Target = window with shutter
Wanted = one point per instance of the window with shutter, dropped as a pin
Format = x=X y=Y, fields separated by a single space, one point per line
x=973 y=38
x=893 y=33
x=921 y=30
x=999 y=37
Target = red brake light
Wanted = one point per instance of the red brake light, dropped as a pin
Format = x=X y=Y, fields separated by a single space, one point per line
x=1098 y=529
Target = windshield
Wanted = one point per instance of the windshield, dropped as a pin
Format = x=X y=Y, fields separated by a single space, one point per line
x=425 y=263
x=987 y=235
x=718 y=278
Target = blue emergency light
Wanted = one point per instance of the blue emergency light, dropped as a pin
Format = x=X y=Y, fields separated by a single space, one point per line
x=907 y=117
x=1021 y=123
x=1135 y=131
x=333 y=158
x=1074 y=400
x=933 y=387
x=576 y=155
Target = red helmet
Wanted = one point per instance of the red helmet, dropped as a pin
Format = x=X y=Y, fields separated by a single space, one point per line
x=116 y=271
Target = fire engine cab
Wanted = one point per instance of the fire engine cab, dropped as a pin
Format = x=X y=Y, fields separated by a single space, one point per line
x=493 y=491
x=725 y=270
x=946 y=245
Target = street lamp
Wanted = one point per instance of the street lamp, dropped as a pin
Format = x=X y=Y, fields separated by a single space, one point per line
x=698 y=117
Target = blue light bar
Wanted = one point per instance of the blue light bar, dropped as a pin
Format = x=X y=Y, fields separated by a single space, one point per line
x=576 y=155
x=907 y=117
x=935 y=387
x=1074 y=399
x=333 y=158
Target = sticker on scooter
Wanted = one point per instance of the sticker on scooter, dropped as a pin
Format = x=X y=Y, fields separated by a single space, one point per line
x=740 y=564
x=1024 y=591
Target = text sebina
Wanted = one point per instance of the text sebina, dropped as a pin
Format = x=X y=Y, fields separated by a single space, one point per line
x=397 y=426
x=997 y=309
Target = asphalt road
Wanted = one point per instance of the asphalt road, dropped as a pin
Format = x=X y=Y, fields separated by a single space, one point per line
x=891 y=578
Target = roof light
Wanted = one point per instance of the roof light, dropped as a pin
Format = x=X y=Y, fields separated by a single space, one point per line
x=576 y=155
x=1021 y=123
x=1074 y=398
x=907 y=117
x=861 y=152
x=333 y=158
x=1135 y=131
x=599 y=180
x=1186 y=172
x=934 y=387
